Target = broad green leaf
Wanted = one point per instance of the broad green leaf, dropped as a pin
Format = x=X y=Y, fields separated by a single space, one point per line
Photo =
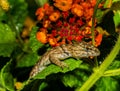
x=34 y=43
x=70 y=80
x=6 y=49
x=7 y=40
x=27 y=60
x=72 y=64
x=107 y=84
x=6 y=34
x=6 y=77
x=77 y=77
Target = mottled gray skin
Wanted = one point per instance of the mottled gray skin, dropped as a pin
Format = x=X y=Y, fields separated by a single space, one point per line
x=54 y=55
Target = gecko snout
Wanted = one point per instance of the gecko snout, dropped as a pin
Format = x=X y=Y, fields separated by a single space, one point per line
x=93 y=51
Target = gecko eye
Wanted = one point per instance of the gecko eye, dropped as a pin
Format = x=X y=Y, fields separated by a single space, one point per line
x=88 y=48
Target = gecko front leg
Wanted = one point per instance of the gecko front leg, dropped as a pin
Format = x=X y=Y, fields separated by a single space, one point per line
x=54 y=58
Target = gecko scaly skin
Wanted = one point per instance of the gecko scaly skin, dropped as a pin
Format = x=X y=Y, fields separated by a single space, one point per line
x=54 y=55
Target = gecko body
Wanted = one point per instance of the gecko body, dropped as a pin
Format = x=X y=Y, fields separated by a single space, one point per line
x=56 y=54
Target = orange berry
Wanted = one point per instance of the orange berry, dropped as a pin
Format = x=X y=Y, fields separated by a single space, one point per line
x=54 y=16
x=40 y=13
x=52 y=41
x=63 y=5
x=88 y=13
x=77 y=9
x=43 y=30
x=48 y=9
x=98 y=39
x=42 y=37
x=18 y=85
x=46 y=23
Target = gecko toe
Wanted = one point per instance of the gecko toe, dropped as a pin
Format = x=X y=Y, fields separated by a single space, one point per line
x=64 y=65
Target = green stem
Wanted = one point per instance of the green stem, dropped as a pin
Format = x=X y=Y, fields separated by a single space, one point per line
x=93 y=21
x=93 y=28
x=100 y=71
x=114 y=72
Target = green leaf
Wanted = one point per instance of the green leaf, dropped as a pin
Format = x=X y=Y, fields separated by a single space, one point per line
x=36 y=85
x=7 y=40
x=34 y=43
x=114 y=65
x=27 y=60
x=6 y=77
x=116 y=6
x=99 y=15
x=107 y=84
x=72 y=64
x=6 y=49
x=114 y=68
x=43 y=86
x=2 y=89
x=71 y=80
x=17 y=13
x=77 y=77
x=6 y=34
x=2 y=14
x=41 y=2
x=117 y=18
x=115 y=0
x=107 y=3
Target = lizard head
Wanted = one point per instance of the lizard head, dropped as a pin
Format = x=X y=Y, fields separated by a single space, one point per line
x=88 y=50
x=92 y=51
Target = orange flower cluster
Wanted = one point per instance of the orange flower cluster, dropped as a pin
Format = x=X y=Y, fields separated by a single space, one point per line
x=66 y=21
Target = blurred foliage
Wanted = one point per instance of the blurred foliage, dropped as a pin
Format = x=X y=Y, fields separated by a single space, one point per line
x=18 y=55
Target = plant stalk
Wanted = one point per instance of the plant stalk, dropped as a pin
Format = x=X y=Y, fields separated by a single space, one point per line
x=114 y=72
x=100 y=71
x=93 y=21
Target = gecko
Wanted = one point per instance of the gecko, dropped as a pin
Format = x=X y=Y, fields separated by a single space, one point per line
x=56 y=54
